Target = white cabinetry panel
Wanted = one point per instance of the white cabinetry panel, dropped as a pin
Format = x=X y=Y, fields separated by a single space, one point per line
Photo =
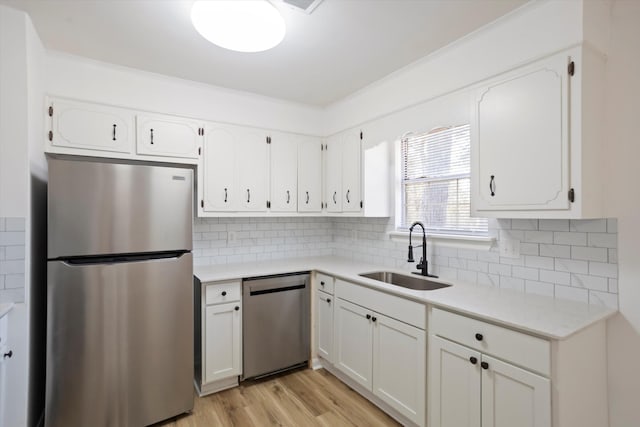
x=218 y=185
x=353 y=342
x=333 y=174
x=399 y=366
x=324 y=325
x=521 y=138
x=251 y=166
x=283 y=161
x=168 y=136
x=454 y=385
x=80 y=125
x=309 y=175
x=223 y=343
x=351 y=171
x=513 y=397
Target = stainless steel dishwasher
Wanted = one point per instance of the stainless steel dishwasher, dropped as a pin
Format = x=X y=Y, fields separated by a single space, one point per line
x=275 y=319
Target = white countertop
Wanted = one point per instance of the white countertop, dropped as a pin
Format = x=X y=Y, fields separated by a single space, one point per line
x=5 y=308
x=540 y=315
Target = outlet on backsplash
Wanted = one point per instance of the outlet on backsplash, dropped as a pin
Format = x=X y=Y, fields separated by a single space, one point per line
x=510 y=248
x=231 y=236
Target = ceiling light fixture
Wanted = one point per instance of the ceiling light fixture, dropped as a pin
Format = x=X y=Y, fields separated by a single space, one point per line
x=243 y=26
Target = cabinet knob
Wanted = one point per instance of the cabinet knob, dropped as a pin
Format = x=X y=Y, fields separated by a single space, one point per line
x=237 y=308
x=368 y=316
x=479 y=337
x=473 y=360
x=224 y=293
x=329 y=300
x=321 y=283
x=8 y=354
x=374 y=318
x=484 y=365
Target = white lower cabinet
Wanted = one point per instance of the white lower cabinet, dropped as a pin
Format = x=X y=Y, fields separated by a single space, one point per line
x=385 y=356
x=470 y=389
x=222 y=330
x=219 y=343
x=324 y=325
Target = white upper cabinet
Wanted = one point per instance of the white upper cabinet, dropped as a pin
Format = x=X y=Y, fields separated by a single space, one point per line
x=283 y=164
x=534 y=151
x=233 y=175
x=83 y=126
x=251 y=165
x=309 y=174
x=168 y=136
x=217 y=179
x=351 y=171
x=333 y=174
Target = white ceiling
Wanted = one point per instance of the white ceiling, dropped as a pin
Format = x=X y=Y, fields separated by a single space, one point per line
x=341 y=47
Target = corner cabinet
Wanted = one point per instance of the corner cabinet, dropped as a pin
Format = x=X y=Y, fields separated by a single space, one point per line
x=536 y=139
x=218 y=337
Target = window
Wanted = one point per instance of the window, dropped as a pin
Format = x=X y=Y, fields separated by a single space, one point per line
x=436 y=182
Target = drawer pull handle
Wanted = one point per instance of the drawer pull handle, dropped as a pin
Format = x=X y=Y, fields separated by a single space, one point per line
x=374 y=318
x=473 y=360
x=224 y=293
x=484 y=365
x=368 y=316
x=479 y=337
x=8 y=354
x=237 y=308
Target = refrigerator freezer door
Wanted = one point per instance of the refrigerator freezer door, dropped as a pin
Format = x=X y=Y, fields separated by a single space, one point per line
x=119 y=342
x=109 y=208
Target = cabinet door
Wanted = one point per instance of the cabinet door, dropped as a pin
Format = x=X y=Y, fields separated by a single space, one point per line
x=222 y=342
x=520 y=139
x=91 y=126
x=399 y=366
x=219 y=186
x=324 y=325
x=309 y=175
x=284 y=172
x=353 y=342
x=454 y=385
x=351 y=172
x=252 y=161
x=333 y=174
x=168 y=136
x=514 y=397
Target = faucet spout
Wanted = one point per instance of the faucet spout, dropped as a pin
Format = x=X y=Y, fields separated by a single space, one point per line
x=423 y=264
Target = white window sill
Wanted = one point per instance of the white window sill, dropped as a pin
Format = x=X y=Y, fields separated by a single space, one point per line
x=480 y=243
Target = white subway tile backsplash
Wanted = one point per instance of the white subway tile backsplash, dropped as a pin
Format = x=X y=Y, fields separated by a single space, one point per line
x=569 y=238
x=589 y=254
x=588 y=225
x=568 y=259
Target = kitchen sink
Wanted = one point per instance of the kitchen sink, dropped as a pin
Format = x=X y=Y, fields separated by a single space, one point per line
x=417 y=283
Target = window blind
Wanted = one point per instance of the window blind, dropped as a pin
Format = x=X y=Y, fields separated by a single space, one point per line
x=436 y=168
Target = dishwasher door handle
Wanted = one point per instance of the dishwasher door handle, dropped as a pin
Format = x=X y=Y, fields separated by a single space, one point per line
x=278 y=289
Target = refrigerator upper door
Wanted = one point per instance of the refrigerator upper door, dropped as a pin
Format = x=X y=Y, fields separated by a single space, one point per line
x=98 y=208
x=119 y=342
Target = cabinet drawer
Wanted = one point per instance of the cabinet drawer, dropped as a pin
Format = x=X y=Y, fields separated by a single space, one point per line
x=516 y=347
x=221 y=292
x=404 y=310
x=325 y=283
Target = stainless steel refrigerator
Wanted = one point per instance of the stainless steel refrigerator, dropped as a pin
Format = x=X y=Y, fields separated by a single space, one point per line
x=119 y=293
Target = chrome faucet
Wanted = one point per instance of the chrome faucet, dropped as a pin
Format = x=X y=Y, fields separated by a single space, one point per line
x=422 y=265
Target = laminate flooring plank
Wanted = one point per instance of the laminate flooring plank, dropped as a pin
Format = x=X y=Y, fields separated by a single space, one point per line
x=297 y=399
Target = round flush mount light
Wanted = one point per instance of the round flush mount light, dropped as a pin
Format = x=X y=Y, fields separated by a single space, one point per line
x=240 y=25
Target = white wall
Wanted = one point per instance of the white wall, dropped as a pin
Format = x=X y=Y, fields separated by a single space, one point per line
x=533 y=30
x=85 y=79
x=623 y=148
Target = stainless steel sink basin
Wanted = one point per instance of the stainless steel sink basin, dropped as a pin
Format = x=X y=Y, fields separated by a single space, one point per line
x=417 y=283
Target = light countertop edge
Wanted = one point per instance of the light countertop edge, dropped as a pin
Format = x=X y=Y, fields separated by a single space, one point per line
x=539 y=315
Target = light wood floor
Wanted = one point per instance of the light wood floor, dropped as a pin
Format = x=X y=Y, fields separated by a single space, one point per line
x=301 y=398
